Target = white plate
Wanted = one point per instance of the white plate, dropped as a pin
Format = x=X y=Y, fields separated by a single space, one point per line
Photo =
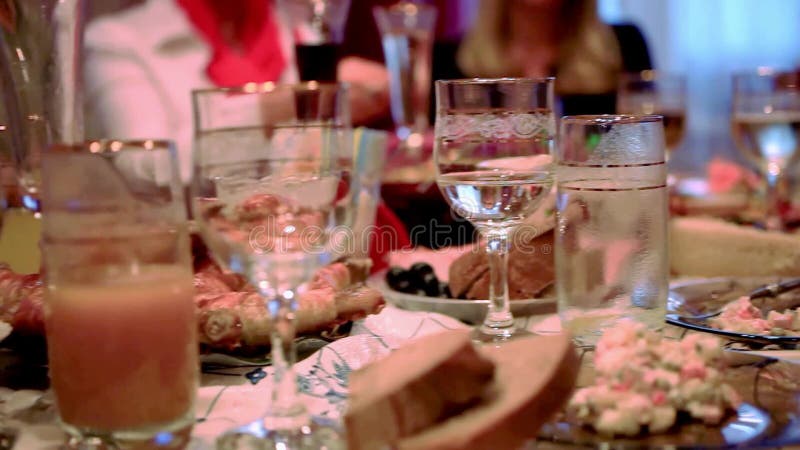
x=470 y=311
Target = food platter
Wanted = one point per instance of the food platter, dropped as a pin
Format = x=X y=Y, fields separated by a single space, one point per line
x=694 y=298
x=746 y=425
x=470 y=311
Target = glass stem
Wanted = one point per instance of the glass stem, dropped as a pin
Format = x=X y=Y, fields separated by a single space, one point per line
x=499 y=320
x=775 y=198
x=286 y=411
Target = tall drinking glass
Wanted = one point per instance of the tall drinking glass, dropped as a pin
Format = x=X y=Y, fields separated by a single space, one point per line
x=652 y=92
x=766 y=129
x=119 y=298
x=407 y=34
x=493 y=158
x=272 y=168
x=611 y=240
x=40 y=60
x=318 y=30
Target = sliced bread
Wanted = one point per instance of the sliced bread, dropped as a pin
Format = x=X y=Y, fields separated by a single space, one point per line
x=533 y=380
x=418 y=385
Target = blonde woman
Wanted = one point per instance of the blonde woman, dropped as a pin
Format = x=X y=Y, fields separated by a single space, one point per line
x=561 y=38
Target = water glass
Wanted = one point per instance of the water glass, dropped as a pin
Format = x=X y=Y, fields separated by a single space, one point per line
x=766 y=129
x=407 y=35
x=120 y=314
x=611 y=240
x=271 y=188
x=494 y=168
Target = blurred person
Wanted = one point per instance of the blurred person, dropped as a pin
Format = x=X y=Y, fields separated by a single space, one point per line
x=561 y=38
x=143 y=62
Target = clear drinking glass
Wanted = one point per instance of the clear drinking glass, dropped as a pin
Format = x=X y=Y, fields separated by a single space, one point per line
x=271 y=182
x=407 y=35
x=40 y=60
x=766 y=129
x=119 y=298
x=660 y=93
x=492 y=152
x=611 y=240
x=318 y=30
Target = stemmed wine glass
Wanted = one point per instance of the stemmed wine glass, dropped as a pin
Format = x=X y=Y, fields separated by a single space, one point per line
x=766 y=129
x=493 y=158
x=653 y=92
x=271 y=169
x=407 y=36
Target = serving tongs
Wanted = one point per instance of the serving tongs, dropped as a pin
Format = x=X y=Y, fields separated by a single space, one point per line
x=770 y=290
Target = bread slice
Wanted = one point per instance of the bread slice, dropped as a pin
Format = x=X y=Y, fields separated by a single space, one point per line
x=533 y=380
x=418 y=385
x=706 y=247
x=531 y=268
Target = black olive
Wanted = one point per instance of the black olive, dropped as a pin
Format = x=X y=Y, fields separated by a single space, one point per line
x=395 y=275
x=444 y=290
x=430 y=284
x=420 y=269
x=404 y=286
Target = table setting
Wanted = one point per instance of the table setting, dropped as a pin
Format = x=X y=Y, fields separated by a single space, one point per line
x=602 y=301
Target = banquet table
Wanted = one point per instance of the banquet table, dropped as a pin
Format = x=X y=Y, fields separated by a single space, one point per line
x=233 y=393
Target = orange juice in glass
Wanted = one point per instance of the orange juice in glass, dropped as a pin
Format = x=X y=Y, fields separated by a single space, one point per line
x=120 y=317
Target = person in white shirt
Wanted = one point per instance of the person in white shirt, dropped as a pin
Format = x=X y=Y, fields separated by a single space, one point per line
x=141 y=65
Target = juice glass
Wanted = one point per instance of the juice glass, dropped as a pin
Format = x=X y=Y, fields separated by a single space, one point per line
x=120 y=319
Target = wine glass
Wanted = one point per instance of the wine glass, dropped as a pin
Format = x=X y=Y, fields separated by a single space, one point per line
x=318 y=30
x=407 y=36
x=766 y=128
x=271 y=170
x=653 y=92
x=494 y=139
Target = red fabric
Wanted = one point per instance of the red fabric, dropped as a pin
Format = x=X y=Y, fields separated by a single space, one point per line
x=244 y=39
x=390 y=235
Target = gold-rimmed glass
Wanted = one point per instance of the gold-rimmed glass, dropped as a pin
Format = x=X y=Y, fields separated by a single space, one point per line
x=494 y=139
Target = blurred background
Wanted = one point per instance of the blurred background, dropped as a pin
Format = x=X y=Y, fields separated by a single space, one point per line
x=707 y=40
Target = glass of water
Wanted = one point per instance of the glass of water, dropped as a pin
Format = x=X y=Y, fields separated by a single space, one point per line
x=766 y=129
x=493 y=158
x=611 y=240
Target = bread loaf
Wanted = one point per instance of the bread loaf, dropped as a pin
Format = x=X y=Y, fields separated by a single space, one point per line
x=533 y=378
x=432 y=378
x=705 y=247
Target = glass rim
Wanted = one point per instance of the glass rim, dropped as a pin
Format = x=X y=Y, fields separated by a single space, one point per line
x=501 y=80
x=653 y=75
x=611 y=119
x=271 y=86
x=110 y=146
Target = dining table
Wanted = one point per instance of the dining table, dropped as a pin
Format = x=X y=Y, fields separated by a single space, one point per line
x=233 y=391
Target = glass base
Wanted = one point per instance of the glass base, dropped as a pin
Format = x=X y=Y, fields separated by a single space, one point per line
x=175 y=435
x=318 y=434
x=488 y=335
